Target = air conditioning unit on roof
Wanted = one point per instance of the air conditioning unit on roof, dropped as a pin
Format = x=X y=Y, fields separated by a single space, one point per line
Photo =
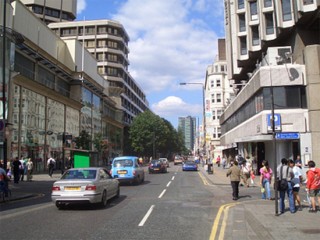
x=278 y=55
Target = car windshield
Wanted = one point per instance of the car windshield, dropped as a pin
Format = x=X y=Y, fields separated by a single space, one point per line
x=123 y=163
x=154 y=162
x=190 y=163
x=80 y=174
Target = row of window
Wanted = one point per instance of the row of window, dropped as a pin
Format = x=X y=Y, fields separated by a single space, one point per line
x=284 y=98
x=52 y=12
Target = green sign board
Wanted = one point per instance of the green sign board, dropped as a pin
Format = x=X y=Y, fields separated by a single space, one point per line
x=81 y=159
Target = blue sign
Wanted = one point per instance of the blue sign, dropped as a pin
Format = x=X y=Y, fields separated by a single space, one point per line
x=287 y=135
x=277 y=122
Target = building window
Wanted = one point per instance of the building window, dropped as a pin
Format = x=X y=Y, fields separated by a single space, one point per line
x=112 y=44
x=89 y=30
x=286 y=10
x=255 y=36
x=242 y=23
x=254 y=10
x=269 y=23
x=212 y=98
x=112 y=71
x=212 y=84
x=243 y=45
x=218 y=83
x=102 y=43
x=218 y=97
x=213 y=115
x=267 y=3
x=68 y=32
x=307 y=2
x=102 y=30
x=112 y=58
x=89 y=44
x=222 y=68
x=219 y=113
x=240 y=4
x=37 y=9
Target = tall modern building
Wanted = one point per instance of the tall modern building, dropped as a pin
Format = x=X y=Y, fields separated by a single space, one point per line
x=107 y=41
x=188 y=125
x=53 y=10
x=218 y=95
x=274 y=47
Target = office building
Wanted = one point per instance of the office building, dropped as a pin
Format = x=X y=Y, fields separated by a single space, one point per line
x=274 y=47
x=218 y=94
x=187 y=126
x=107 y=41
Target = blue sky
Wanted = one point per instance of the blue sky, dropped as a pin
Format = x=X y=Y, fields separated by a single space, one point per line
x=171 y=41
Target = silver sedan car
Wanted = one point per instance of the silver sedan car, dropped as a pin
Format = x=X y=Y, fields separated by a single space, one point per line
x=85 y=185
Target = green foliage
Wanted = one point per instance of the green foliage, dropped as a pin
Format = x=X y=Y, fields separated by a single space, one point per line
x=83 y=141
x=149 y=133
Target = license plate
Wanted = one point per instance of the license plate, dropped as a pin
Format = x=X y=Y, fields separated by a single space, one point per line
x=122 y=172
x=72 y=188
x=156 y=169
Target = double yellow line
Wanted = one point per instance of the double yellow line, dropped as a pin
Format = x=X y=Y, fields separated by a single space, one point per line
x=223 y=209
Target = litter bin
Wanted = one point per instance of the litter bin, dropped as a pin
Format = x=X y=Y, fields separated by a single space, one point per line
x=210 y=168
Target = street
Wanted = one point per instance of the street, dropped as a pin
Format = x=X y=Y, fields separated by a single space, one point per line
x=173 y=205
x=181 y=208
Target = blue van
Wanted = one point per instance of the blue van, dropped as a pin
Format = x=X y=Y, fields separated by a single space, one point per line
x=127 y=169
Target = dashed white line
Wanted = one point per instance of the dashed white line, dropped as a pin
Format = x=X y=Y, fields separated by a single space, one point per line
x=144 y=219
x=168 y=183
x=172 y=178
x=160 y=196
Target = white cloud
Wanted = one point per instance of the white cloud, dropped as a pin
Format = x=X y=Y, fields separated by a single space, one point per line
x=174 y=106
x=168 y=42
x=81 y=5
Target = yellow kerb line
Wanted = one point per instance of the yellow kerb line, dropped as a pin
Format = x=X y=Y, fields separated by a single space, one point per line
x=204 y=180
x=217 y=220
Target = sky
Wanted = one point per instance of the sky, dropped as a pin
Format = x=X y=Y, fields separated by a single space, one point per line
x=171 y=41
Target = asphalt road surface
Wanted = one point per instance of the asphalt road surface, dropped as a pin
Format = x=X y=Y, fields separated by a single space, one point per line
x=173 y=205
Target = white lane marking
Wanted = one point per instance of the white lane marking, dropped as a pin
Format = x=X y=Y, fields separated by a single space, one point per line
x=144 y=219
x=168 y=183
x=160 y=196
x=172 y=178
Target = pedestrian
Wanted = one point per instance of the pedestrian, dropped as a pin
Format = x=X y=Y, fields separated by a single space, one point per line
x=234 y=173
x=50 y=165
x=286 y=173
x=245 y=172
x=296 y=183
x=224 y=162
x=69 y=163
x=240 y=161
x=218 y=160
x=16 y=169
x=29 y=167
x=265 y=180
x=4 y=180
x=298 y=162
x=22 y=167
x=313 y=185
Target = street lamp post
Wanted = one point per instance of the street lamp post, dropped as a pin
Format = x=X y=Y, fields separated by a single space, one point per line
x=203 y=113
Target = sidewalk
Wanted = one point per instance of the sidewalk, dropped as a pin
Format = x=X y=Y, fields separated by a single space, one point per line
x=18 y=192
x=254 y=218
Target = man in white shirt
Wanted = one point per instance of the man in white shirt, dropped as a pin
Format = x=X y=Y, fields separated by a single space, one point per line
x=50 y=165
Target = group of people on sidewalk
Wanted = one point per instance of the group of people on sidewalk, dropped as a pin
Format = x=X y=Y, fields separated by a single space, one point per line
x=289 y=181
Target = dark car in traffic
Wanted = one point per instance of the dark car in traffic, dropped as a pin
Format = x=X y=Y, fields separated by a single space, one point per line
x=157 y=165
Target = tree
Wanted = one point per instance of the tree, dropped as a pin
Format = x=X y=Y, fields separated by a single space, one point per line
x=83 y=141
x=151 y=135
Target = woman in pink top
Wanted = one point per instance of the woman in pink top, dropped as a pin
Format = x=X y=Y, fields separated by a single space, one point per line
x=265 y=179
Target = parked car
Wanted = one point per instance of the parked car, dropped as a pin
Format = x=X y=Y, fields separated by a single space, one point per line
x=157 y=165
x=166 y=161
x=85 y=185
x=178 y=160
x=189 y=166
x=127 y=169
